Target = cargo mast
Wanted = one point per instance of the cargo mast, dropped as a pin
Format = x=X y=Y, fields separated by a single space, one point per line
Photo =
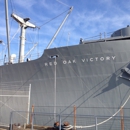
x=24 y=25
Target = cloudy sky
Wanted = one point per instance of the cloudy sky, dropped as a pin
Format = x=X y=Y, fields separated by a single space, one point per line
x=88 y=19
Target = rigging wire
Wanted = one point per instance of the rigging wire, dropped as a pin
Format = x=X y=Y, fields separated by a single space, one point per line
x=12 y=5
x=38 y=45
x=13 y=109
x=63 y=30
x=32 y=38
x=62 y=3
x=35 y=44
x=15 y=34
x=53 y=18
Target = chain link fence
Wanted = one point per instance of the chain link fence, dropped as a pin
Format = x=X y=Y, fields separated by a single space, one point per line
x=38 y=120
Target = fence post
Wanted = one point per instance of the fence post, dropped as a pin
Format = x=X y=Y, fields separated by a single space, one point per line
x=96 y=128
x=11 y=115
x=29 y=96
x=32 y=114
x=60 y=122
x=32 y=121
x=122 y=118
x=74 y=117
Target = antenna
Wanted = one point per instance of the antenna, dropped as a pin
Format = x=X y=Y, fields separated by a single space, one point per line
x=24 y=25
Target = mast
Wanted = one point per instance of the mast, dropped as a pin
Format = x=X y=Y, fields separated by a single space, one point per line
x=7 y=29
x=53 y=38
x=24 y=25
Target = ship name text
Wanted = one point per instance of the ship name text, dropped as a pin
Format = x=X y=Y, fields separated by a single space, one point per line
x=99 y=59
x=83 y=60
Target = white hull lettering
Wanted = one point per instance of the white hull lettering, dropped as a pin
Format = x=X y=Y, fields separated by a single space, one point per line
x=96 y=58
x=91 y=59
x=64 y=62
x=107 y=58
x=101 y=58
x=46 y=64
x=69 y=62
x=74 y=61
x=50 y=63
x=113 y=57
x=55 y=63
x=83 y=60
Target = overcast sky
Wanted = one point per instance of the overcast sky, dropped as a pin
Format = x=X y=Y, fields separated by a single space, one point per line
x=88 y=18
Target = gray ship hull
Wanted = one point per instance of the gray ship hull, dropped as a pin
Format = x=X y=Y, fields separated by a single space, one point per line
x=87 y=76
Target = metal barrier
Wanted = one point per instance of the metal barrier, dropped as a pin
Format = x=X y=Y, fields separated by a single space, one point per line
x=39 y=120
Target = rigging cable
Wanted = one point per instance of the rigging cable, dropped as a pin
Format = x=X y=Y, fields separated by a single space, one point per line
x=63 y=31
x=62 y=3
x=53 y=18
x=12 y=5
